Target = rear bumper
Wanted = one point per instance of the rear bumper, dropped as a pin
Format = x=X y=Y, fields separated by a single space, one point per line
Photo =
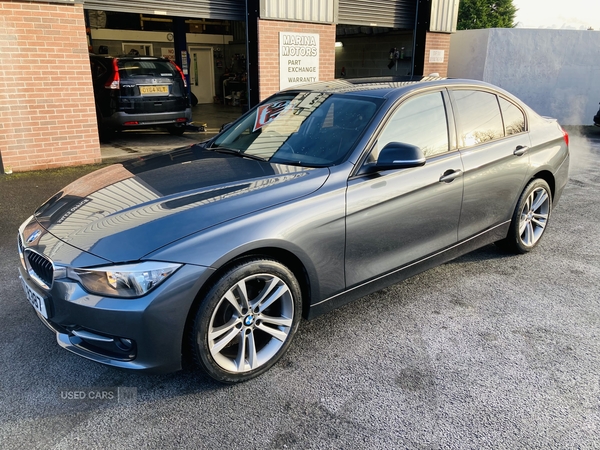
x=561 y=177
x=123 y=120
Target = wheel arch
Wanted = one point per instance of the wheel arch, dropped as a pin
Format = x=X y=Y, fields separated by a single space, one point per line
x=288 y=259
x=548 y=177
x=283 y=256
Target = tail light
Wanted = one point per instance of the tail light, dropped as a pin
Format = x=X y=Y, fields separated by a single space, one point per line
x=115 y=81
x=180 y=73
x=565 y=136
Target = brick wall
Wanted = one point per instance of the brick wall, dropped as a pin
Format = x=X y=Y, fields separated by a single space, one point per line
x=47 y=114
x=268 y=51
x=437 y=41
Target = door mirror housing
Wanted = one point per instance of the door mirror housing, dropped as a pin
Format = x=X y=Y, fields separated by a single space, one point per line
x=397 y=155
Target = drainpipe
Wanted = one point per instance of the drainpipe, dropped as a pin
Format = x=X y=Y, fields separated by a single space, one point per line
x=414 y=49
x=421 y=29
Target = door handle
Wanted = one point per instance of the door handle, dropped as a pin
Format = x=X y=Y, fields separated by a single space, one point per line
x=520 y=150
x=450 y=175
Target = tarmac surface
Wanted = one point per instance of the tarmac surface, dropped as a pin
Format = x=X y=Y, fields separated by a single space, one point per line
x=487 y=351
x=131 y=144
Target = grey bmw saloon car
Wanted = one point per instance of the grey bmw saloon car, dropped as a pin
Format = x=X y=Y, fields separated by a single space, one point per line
x=321 y=194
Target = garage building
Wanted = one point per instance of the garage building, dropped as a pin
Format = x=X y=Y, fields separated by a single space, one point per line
x=234 y=52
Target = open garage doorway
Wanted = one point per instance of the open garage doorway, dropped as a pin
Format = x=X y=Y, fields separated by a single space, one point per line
x=209 y=45
x=363 y=52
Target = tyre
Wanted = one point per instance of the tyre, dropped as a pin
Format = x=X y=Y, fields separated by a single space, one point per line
x=176 y=130
x=246 y=321
x=530 y=219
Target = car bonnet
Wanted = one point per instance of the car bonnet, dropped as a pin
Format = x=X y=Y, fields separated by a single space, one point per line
x=125 y=211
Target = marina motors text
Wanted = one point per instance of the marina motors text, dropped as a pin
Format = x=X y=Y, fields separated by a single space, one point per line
x=299 y=46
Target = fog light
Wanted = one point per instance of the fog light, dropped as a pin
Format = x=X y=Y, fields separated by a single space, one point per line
x=181 y=119
x=131 y=123
x=124 y=344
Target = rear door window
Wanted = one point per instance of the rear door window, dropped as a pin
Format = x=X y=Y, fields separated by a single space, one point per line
x=479 y=117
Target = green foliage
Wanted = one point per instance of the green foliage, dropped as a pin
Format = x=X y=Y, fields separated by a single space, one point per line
x=475 y=14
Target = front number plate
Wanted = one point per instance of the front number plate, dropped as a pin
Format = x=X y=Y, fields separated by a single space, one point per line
x=36 y=300
x=154 y=90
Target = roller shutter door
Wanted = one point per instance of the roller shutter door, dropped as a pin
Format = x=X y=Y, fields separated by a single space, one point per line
x=378 y=13
x=205 y=9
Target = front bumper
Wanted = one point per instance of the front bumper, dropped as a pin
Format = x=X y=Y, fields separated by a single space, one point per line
x=98 y=328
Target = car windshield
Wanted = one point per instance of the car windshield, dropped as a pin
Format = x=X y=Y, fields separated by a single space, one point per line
x=308 y=128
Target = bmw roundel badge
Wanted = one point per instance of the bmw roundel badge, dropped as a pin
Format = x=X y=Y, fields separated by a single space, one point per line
x=33 y=236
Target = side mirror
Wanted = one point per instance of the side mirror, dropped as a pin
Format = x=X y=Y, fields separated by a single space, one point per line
x=398 y=155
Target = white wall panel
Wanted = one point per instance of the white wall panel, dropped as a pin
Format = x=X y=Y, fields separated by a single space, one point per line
x=444 y=16
x=319 y=11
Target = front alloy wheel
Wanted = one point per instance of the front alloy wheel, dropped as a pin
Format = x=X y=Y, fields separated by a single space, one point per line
x=247 y=320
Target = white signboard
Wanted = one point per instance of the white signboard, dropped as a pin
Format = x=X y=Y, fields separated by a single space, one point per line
x=436 y=56
x=298 y=58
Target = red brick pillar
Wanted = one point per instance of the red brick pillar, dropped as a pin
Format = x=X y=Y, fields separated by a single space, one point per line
x=435 y=44
x=47 y=113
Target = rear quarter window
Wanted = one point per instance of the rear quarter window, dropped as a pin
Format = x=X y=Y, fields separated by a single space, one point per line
x=514 y=119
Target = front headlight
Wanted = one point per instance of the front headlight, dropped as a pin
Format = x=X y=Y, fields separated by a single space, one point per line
x=127 y=280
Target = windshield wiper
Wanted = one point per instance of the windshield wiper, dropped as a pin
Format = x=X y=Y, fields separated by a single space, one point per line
x=233 y=151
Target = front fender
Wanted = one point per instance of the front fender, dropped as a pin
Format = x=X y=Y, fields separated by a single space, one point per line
x=312 y=229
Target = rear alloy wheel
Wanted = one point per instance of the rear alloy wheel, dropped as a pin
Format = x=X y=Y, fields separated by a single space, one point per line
x=530 y=218
x=247 y=320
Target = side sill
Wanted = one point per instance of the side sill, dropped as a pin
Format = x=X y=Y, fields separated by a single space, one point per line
x=487 y=237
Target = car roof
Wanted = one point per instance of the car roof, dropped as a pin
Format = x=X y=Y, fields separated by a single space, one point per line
x=128 y=57
x=385 y=87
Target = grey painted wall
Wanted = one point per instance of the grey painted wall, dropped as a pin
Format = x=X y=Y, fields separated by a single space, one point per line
x=556 y=72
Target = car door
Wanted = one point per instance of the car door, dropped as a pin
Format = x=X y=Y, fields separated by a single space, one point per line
x=99 y=76
x=399 y=216
x=493 y=143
